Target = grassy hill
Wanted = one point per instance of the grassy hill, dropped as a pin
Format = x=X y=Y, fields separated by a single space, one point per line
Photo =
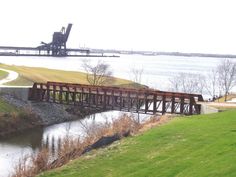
x=28 y=75
x=197 y=146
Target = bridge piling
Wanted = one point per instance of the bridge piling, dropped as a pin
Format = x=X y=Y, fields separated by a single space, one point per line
x=163 y=104
x=181 y=105
x=172 y=104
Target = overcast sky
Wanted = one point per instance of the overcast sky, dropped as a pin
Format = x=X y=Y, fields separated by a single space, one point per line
x=207 y=26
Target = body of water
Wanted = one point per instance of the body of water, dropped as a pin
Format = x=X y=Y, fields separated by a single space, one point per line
x=156 y=73
x=156 y=69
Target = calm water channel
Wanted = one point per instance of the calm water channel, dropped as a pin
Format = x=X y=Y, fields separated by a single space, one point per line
x=156 y=72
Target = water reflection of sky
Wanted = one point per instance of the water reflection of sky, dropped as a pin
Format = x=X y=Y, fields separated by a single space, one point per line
x=78 y=127
x=9 y=156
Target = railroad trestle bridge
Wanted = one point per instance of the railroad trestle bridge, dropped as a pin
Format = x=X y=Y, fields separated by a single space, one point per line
x=147 y=101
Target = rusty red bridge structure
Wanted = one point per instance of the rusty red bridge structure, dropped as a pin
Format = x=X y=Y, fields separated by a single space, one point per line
x=146 y=101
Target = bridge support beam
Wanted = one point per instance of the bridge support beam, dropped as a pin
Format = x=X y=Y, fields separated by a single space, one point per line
x=163 y=104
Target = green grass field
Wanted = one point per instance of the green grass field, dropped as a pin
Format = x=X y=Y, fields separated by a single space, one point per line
x=3 y=74
x=28 y=75
x=197 y=146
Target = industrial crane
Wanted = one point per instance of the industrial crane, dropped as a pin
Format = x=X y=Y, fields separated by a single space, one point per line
x=56 y=48
x=58 y=45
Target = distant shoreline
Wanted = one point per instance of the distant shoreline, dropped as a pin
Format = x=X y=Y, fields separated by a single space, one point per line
x=153 y=53
x=197 y=55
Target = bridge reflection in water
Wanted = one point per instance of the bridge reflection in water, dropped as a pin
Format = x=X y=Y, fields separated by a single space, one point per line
x=146 y=101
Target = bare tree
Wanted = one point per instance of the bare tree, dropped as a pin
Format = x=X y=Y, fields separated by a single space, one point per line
x=226 y=76
x=188 y=83
x=98 y=74
x=211 y=83
x=137 y=74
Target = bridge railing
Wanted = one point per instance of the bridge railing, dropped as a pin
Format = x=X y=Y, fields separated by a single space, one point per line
x=148 y=101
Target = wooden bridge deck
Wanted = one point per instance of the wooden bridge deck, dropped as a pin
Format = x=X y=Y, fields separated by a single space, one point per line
x=147 y=101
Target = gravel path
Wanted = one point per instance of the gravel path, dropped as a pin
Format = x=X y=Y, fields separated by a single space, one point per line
x=12 y=75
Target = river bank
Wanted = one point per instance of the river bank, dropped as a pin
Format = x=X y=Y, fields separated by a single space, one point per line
x=32 y=114
x=201 y=145
x=98 y=135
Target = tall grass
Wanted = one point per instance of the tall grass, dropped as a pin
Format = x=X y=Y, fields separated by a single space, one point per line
x=70 y=148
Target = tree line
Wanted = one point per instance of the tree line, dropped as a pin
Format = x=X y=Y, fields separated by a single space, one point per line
x=219 y=82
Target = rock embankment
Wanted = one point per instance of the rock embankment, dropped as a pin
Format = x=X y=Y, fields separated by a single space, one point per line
x=49 y=113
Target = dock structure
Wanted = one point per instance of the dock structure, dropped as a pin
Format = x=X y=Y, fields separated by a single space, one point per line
x=44 y=52
x=56 y=48
x=36 y=51
x=146 y=101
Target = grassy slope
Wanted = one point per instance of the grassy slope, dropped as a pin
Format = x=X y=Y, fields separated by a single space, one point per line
x=202 y=145
x=13 y=119
x=6 y=108
x=28 y=75
x=3 y=74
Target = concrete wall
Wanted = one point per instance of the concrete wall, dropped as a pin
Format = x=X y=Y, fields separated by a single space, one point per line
x=206 y=109
x=18 y=92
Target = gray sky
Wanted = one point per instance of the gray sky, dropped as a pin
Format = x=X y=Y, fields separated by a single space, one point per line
x=161 y=25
